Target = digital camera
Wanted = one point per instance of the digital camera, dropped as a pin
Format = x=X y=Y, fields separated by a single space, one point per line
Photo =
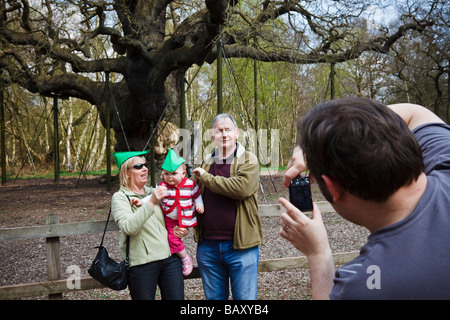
x=300 y=193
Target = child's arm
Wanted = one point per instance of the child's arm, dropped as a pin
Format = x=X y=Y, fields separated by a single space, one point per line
x=136 y=202
x=140 y=202
x=199 y=207
x=197 y=197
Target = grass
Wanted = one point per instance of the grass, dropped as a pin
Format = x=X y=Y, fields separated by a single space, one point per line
x=62 y=173
x=45 y=173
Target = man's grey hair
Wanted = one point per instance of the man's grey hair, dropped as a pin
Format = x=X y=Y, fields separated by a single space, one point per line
x=223 y=116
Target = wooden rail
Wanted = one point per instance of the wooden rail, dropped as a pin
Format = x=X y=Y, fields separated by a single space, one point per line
x=55 y=286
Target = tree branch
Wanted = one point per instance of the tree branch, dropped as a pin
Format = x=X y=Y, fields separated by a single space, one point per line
x=192 y=40
x=380 y=44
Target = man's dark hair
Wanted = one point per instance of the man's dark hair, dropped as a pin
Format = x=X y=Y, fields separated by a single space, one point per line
x=361 y=144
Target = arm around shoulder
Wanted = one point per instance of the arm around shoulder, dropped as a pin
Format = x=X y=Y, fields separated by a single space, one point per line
x=414 y=115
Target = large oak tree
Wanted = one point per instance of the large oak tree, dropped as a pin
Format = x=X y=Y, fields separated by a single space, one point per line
x=55 y=47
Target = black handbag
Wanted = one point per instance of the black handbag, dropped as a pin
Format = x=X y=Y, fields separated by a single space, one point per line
x=106 y=270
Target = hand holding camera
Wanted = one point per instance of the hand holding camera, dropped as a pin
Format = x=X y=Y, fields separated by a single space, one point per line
x=300 y=193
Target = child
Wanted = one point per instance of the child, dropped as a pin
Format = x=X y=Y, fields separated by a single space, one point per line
x=178 y=204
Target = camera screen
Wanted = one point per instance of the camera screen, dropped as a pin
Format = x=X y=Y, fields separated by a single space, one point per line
x=300 y=193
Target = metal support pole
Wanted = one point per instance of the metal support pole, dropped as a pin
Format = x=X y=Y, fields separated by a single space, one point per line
x=332 y=74
x=182 y=108
x=183 y=117
x=56 y=137
x=255 y=92
x=448 y=94
x=152 y=156
x=219 y=76
x=108 y=133
x=3 y=139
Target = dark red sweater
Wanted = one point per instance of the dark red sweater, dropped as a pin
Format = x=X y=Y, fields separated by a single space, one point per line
x=220 y=212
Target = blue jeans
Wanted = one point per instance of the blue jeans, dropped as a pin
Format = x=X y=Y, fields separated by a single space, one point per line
x=219 y=264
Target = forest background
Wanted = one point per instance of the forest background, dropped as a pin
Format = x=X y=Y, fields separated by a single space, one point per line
x=269 y=95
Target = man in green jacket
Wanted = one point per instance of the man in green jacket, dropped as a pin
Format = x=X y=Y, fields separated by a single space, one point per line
x=229 y=231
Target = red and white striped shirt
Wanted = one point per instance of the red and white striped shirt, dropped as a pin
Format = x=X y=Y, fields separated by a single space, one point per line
x=180 y=202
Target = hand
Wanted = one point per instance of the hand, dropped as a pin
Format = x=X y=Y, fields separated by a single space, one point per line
x=310 y=237
x=158 y=193
x=307 y=235
x=295 y=166
x=198 y=172
x=200 y=209
x=136 y=202
x=180 y=232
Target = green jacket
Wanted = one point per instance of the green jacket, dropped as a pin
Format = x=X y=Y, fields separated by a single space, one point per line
x=145 y=226
x=242 y=185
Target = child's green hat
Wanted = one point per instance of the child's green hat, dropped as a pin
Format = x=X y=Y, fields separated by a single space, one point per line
x=172 y=161
x=122 y=156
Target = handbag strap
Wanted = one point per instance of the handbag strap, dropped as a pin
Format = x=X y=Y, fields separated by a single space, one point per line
x=106 y=225
x=128 y=237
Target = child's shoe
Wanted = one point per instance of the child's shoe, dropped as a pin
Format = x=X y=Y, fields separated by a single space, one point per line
x=187 y=265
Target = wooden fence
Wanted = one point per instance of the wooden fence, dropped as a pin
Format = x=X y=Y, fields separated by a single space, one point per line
x=52 y=230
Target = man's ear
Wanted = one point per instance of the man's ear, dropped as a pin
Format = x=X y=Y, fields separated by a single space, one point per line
x=334 y=188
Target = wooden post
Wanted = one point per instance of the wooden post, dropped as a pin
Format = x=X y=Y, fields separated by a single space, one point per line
x=53 y=255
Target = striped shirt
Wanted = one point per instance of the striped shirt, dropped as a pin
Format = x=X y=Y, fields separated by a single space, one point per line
x=180 y=202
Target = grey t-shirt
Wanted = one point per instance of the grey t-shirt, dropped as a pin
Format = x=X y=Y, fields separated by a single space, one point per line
x=411 y=258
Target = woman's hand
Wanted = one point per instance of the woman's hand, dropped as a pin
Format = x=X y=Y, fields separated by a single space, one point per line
x=180 y=232
x=158 y=193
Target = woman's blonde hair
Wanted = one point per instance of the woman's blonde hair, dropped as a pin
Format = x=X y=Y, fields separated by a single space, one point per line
x=127 y=180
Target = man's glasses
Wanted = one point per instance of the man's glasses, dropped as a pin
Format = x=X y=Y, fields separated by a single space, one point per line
x=140 y=165
x=221 y=132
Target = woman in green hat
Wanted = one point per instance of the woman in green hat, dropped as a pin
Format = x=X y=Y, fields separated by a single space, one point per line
x=151 y=262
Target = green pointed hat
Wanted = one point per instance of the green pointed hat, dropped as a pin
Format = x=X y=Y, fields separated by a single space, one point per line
x=122 y=156
x=172 y=161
